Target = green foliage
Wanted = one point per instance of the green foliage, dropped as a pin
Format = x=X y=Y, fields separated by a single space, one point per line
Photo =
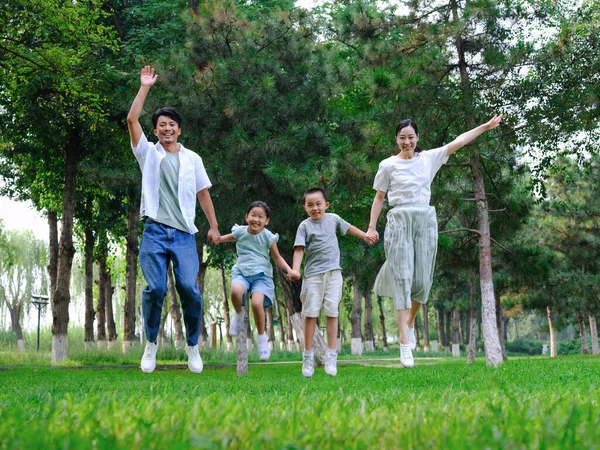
x=527 y=403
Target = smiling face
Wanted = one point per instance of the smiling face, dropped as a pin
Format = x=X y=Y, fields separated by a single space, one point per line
x=256 y=219
x=315 y=205
x=407 y=139
x=167 y=130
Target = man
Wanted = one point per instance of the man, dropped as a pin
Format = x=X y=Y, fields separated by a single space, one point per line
x=172 y=178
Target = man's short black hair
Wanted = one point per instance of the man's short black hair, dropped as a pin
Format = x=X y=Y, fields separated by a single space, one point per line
x=166 y=111
x=313 y=191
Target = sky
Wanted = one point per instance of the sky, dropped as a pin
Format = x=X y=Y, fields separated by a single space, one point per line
x=22 y=216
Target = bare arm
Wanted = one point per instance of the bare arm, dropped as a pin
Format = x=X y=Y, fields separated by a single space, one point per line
x=467 y=137
x=297 y=258
x=147 y=79
x=227 y=238
x=209 y=211
x=282 y=264
x=353 y=231
x=372 y=233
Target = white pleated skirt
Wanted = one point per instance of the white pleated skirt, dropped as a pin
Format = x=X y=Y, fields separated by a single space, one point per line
x=411 y=236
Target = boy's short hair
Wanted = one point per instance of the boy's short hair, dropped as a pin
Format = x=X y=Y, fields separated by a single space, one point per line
x=166 y=111
x=313 y=191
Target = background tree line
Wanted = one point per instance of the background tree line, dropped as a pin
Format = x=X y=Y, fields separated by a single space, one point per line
x=277 y=99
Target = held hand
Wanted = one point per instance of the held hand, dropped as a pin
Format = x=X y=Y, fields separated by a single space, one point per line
x=294 y=275
x=494 y=122
x=147 y=76
x=372 y=237
x=214 y=237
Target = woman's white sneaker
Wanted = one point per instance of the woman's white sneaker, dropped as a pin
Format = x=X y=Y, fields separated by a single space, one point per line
x=406 y=357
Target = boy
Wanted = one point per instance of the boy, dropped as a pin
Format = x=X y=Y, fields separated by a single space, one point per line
x=172 y=178
x=322 y=286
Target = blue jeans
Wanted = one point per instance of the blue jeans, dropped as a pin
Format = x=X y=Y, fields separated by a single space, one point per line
x=161 y=244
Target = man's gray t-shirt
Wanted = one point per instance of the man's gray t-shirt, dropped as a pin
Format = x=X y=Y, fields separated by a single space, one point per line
x=169 y=210
x=319 y=239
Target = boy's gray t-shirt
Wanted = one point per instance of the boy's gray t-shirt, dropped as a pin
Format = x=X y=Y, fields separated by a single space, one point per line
x=319 y=239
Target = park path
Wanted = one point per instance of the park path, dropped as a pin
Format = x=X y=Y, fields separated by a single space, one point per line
x=383 y=362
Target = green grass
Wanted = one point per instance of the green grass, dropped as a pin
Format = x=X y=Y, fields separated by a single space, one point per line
x=525 y=403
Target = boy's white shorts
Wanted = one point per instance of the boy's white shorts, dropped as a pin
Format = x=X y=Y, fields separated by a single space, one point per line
x=322 y=290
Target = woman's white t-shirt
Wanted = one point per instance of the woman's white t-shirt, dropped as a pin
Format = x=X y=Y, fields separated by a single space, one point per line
x=408 y=181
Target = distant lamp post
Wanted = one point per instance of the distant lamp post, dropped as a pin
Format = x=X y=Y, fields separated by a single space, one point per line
x=220 y=320
x=39 y=301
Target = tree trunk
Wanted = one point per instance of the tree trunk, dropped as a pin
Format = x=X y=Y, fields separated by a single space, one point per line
x=290 y=332
x=425 y=328
x=382 y=321
x=369 y=344
x=101 y=307
x=355 y=319
x=52 y=249
x=131 y=258
x=553 y=347
x=293 y=305
x=472 y=346
x=455 y=333
x=61 y=296
x=493 y=351
x=594 y=334
x=225 y=304
x=441 y=327
x=417 y=335
x=89 y=288
x=201 y=278
x=279 y=322
x=270 y=327
x=175 y=309
x=585 y=350
x=500 y=324
x=241 y=346
x=15 y=319
x=111 y=327
x=249 y=334
x=448 y=334
x=162 y=332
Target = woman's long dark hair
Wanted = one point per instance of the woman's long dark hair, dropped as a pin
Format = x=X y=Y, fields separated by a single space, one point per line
x=408 y=123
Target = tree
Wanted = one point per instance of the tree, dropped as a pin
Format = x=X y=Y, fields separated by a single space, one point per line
x=51 y=67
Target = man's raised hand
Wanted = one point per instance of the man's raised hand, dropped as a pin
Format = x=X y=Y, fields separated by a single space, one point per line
x=147 y=76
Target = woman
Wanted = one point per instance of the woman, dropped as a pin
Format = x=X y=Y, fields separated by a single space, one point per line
x=411 y=230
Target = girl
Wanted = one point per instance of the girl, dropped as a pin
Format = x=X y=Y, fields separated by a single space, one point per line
x=411 y=231
x=253 y=272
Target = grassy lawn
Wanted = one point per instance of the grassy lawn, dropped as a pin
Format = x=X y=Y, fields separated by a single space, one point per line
x=441 y=403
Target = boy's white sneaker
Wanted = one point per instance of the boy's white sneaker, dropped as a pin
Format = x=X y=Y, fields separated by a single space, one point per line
x=308 y=364
x=149 y=359
x=236 y=323
x=263 y=347
x=411 y=337
x=406 y=357
x=331 y=363
x=194 y=359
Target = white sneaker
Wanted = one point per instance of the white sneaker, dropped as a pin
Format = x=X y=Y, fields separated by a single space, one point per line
x=308 y=364
x=331 y=363
x=236 y=324
x=263 y=347
x=194 y=359
x=406 y=357
x=149 y=359
x=411 y=337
